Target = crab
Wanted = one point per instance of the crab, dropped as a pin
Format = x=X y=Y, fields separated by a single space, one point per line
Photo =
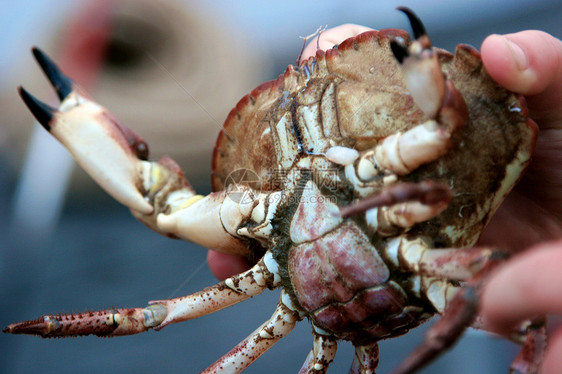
x=358 y=182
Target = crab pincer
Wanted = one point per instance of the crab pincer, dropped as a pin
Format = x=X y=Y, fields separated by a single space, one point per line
x=107 y=150
x=432 y=91
x=435 y=95
x=421 y=67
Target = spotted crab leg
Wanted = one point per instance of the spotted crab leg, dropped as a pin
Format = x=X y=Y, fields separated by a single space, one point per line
x=436 y=96
x=258 y=342
x=117 y=159
x=434 y=270
x=321 y=355
x=158 y=314
x=459 y=314
x=366 y=359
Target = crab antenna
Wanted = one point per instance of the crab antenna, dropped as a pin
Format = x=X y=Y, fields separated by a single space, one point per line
x=61 y=83
x=417 y=25
x=41 y=111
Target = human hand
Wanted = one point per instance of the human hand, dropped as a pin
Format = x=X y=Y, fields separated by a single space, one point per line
x=223 y=265
x=527 y=286
x=531 y=283
x=533 y=211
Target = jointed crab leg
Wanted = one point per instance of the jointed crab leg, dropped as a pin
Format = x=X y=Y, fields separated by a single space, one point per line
x=435 y=268
x=459 y=305
x=158 y=314
x=460 y=264
x=460 y=313
x=264 y=275
x=400 y=206
x=366 y=359
x=534 y=336
x=264 y=337
x=426 y=193
x=321 y=355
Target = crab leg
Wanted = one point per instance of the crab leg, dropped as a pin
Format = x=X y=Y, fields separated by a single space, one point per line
x=460 y=264
x=321 y=355
x=401 y=206
x=264 y=275
x=264 y=337
x=459 y=314
x=533 y=336
x=158 y=314
x=434 y=269
x=156 y=191
x=366 y=359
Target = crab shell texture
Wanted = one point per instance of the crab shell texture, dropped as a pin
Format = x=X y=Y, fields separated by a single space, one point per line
x=354 y=95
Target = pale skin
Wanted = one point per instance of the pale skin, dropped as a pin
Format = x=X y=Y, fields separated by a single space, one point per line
x=530 y=284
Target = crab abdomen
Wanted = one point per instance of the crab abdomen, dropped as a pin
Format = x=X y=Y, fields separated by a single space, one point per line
x=306 y=111
x=341 y=281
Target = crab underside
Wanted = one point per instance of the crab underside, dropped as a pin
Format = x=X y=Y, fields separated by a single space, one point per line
x=375 y=167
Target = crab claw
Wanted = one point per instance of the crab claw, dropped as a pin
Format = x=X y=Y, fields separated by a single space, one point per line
x=417 y=26
x=42 y=112
x=421 y=68
x=111 y=153
x=61 y=83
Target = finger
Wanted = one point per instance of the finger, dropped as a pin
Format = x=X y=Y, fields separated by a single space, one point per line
x=332 y=37
x=527 y=286
x=553 y=359
x=223 y=265
x=528 y=63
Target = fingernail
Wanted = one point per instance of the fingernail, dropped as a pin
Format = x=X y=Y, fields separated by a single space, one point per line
x=517 y=54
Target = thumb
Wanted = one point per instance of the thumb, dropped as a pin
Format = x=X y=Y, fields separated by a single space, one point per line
x=528 y=63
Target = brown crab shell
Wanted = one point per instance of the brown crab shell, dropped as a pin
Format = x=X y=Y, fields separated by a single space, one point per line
x=372 y=103
x=240 y=145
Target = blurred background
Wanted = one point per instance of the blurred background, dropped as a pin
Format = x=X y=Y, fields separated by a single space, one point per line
x=171 y=70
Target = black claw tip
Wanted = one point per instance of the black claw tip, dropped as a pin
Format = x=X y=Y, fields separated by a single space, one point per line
x=61 y=83
x=417 y=25
x=41 y=111
x=399 y=50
